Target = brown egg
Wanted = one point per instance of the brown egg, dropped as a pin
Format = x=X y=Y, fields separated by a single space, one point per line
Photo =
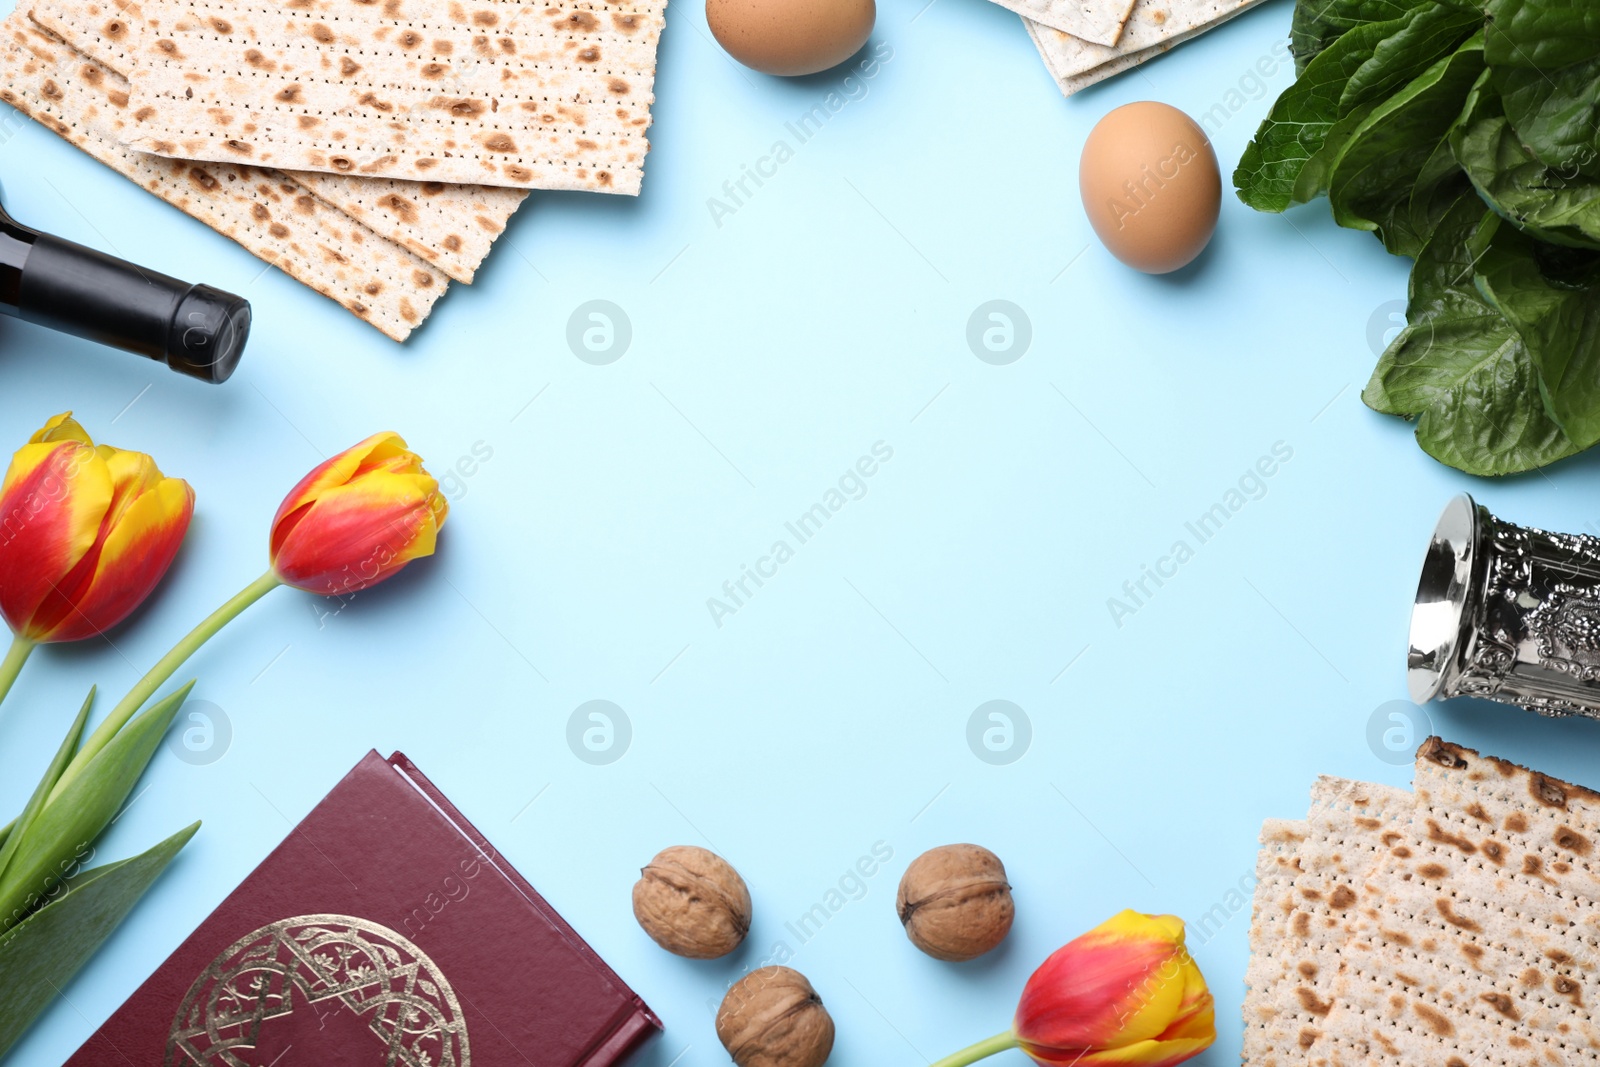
x=1150 y=185
x=791 y=37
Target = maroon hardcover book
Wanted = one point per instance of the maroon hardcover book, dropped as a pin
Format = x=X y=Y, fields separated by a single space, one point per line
x=384 y=931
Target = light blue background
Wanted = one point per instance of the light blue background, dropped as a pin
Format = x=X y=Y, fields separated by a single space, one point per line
x=830 y=713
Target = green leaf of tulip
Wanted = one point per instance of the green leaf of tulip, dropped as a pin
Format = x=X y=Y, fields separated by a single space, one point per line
x=41 y=954
x=49 y=850
x=47 y=783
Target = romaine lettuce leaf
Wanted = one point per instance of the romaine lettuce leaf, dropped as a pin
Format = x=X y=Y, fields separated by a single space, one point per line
x=1561 y=208
x=1430 y=32
x=1293 y=152
x=1546 y=59
x=1375 y=181
x=1551 y=296
x=1318 y=23
x=1459 y=367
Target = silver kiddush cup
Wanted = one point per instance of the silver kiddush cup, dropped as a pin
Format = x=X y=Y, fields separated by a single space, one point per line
x=1507 y=613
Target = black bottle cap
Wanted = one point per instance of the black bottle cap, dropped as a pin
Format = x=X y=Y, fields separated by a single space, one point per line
x=208 y=334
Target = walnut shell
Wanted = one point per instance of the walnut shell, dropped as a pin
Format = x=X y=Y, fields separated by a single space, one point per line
x=955 y=903
x=773 y=1018
x=692 y=903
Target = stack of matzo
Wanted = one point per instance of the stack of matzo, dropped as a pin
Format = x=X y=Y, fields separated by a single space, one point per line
x=1455 y=926
x=1087 y=41
x=373 y=149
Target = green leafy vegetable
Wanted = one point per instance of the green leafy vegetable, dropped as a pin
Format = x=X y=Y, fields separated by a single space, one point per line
x=1467 y=136
x=1318 y=23
x=1439 y=185
x=1297 y=127
x=1554 y=208
x=1549 y=297
x=1546 y=56
x=1430 y=31
x=1297 y=146
x=1460 y=368
x=1377 y=177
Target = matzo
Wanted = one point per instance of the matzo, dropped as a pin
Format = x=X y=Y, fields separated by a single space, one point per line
x=1154 y=27
x=268 y=213
x=1100 y=21
x=551 y=96
x=1277 y=866
x=1052 y=49
x=1484 y=945
x=1299 y=928
x=451 y=226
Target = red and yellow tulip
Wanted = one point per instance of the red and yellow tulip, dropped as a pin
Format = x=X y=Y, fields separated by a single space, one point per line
x=354 y=521
x=357 y=519
x=86 y=533
x=1125 y=994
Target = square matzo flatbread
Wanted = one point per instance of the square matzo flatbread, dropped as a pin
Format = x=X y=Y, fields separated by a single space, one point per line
x=1100 y=21
x=1153 y=27
x=451 y=226
x=1486 y=932
x=550 y=95
x=268 y=213
x=1053 y=46
x=1277 y=867
x=1302 y=917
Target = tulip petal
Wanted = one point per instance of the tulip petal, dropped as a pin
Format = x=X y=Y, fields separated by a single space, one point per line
x=1196 y=1015
x=1118 y=984
x=357 y=518
x=339 y=470
x=62 y=427
x=117 y=576
x=52 y=503
x=354 y=536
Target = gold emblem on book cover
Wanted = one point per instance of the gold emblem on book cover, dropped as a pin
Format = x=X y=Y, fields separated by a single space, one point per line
x=322 y=964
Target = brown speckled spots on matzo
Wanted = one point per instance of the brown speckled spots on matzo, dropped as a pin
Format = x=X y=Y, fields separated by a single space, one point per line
x=1464 y=934
x=213 y=192
x=597 y=54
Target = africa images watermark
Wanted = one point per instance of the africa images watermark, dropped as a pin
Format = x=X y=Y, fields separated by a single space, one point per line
x=1251 y=485
x=852 y=88
x=852 y=485
x=1251 y=85
x=852 y=885
x=10 y=122
x=1213 y=919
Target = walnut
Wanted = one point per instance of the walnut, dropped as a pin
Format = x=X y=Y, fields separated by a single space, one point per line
x=692 y=903
x=773 y=1018
x=955 y=903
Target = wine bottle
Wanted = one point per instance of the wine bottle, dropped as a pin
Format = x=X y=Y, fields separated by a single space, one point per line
x=194 y=329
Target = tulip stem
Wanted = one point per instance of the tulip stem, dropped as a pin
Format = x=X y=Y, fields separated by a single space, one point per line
x=21 y=648
x=973 y=1053
x=163 y=670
